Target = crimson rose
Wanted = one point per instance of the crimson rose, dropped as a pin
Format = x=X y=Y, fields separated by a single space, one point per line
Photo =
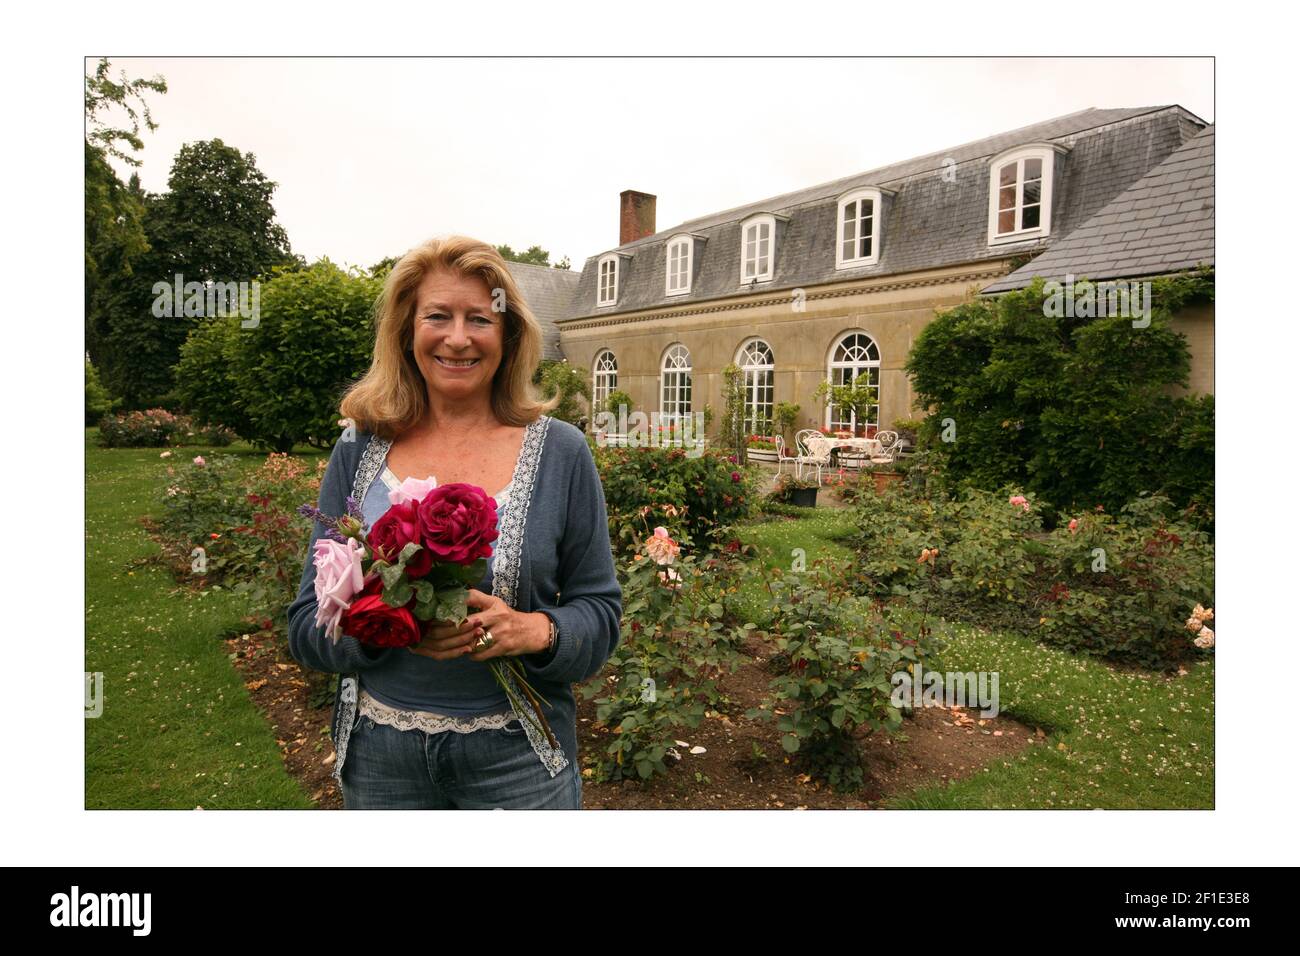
x=458 y=522
x=395 y=529
x=374 y=623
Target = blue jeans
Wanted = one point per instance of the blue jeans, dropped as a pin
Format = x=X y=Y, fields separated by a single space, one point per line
x=488 y=769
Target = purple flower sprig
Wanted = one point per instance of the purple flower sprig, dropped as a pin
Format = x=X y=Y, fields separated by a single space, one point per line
x=336 y=529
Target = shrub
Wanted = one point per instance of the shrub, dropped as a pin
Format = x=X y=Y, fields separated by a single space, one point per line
x=279 y=383
x=1124 y=587
x=837 y=656
x=98 y=401
x=152 y=428
x=252 y=538
x=1120 y=588
x=663 y=673
x=1078 y=410
x=648 y=486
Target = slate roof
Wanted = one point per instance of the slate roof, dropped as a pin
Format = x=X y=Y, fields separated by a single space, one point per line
x=930 y=221
x=548 y=293
x=1162 y=223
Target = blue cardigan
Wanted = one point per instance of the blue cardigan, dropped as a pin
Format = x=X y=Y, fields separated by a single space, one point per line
x=552 y=555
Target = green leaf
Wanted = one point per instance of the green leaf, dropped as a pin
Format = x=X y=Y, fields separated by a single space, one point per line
x=790 y=743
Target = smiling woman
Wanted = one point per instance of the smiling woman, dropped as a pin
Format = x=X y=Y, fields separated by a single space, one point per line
x=449 y=396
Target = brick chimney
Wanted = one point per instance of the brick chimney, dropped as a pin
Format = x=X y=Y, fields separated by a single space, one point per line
x=636 y=216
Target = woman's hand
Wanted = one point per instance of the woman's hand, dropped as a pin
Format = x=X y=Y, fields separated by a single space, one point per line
x=444 y=641
x=513 y=632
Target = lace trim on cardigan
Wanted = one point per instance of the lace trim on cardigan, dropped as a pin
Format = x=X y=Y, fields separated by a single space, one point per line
x=506 y=560
x=427 y=720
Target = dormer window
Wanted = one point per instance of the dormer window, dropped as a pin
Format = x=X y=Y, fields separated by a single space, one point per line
x=607 y=286
x=857 y=237
x=757 y=249
x=1020 y=194
x=680 y=263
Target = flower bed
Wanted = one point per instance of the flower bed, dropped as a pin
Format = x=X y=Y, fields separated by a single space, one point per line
x=1120 y=587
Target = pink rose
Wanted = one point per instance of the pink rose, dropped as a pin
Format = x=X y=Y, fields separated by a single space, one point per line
x=198 y=460
x=1074 y=525
x=661 y=548
x=412 y=489
x=338 y=579
x=458 y=523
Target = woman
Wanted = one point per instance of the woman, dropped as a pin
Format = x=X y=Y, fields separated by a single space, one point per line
x=449 y=396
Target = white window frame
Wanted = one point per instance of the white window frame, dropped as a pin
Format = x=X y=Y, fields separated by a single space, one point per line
x=1046 y=153
x=754 y=222
x=601 y=298
x=760 y=383
x=688 y=261
x=604 y=378
x=670 y=409
x=859 y=367
x=856 y=196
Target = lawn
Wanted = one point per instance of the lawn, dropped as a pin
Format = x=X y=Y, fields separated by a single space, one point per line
x=178 y=729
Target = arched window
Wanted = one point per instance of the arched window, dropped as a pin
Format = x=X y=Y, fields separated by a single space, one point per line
x=857 y=240
x=604 y=379
x=607 y=280
x=1020 y=194
x=675 y=384
x=755 y=359
x=854 y=355
x=757 y=239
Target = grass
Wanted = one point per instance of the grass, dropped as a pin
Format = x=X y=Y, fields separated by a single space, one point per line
x=178 y=729
x=1117 y=738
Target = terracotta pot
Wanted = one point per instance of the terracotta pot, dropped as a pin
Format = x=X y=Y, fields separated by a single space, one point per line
x=885 y=478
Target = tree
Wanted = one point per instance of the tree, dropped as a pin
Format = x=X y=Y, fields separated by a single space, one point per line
x=535 y=255
x=279 y=383
x=214 y=224
x=114 y=211
x=569 y=383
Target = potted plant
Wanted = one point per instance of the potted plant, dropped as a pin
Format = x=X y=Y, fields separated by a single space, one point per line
x=858 y=397
x=797 y=491
x=761 y=448
x=786 y=413
x=885 y=475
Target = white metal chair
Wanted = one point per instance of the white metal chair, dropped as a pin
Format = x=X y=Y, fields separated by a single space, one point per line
x=814 y=452
x=889 y=447
x=783 y=456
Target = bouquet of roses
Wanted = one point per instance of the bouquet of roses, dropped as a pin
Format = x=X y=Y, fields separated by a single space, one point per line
x=414 y=568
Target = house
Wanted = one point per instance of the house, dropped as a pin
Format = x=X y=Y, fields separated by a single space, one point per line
x=1162 y=224
x=836 y=280
x=548 y=292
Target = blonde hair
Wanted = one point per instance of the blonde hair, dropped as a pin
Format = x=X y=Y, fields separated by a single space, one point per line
x=392 y=397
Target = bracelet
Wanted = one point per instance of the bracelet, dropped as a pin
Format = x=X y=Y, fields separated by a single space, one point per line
x=550 y=644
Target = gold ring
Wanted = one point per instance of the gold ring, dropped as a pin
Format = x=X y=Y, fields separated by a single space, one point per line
x=486 y=640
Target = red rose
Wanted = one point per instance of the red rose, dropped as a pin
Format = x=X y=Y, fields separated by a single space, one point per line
x=375 y=623
x=396 y=528
x=458 y=522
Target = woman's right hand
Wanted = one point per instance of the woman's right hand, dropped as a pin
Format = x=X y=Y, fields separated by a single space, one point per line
x=446 y=641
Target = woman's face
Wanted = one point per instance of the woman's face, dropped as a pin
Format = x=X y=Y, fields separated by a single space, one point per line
x=458 y=338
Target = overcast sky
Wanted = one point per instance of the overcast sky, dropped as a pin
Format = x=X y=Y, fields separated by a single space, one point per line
x=372 y=156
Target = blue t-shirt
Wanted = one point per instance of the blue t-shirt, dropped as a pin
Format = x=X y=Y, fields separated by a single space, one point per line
x=456 y=688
